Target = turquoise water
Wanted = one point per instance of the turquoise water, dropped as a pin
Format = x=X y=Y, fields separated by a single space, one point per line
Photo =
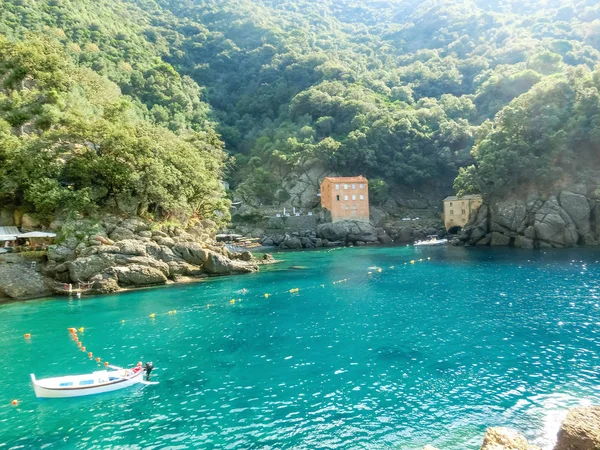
x=431 y=352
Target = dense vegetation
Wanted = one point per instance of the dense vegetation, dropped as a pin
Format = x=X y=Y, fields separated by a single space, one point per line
x=548 y=135
x=70 y=141
x=399 y=91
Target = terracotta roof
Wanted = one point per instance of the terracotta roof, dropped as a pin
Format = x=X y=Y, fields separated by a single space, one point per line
x=346 y=179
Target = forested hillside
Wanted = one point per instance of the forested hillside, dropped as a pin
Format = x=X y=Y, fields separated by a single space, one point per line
x=397 y=90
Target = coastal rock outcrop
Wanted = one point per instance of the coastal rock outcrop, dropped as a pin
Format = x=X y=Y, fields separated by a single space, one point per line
x=500 y=438
x=580 y=430
x=134 y=255
x=347 y=231
x=570 y=217
x=19 y=282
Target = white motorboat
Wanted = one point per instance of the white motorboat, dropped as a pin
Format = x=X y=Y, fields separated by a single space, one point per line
x=90 y=384
x=431 y=240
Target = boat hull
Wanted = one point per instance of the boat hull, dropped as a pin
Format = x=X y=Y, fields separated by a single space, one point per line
x=46 y=389
x=431 y=244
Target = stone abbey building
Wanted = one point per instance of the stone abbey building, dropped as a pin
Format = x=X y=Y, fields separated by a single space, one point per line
x=346 y=198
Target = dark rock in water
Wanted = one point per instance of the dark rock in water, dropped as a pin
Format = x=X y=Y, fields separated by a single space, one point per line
x=217 y=264
x=580 y=430
x=498 y=239
x=347 y=231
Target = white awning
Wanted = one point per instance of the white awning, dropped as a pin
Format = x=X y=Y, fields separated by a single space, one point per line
x=6 y=237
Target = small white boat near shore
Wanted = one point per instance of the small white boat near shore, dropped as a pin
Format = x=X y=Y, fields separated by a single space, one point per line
x=89 y=384
x=431 y=240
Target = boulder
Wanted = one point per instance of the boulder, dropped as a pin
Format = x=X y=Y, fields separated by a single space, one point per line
x=29 y=222
x=104 y=283
x=150 y=262
x=268 y=242
x=554 y=226
x=580 y=430
x=217 y=264
x=102 y=249
x=499 y=240
x=120 y=233
x=20 y=282
x=131 y=247
x=499 y=438
x=145 y=234
x=246 y=256
x=347 y=230
x=138 y=275
x=507 y=215
x=135 y=225
x=60 y=253
x=291 y=242
x=190 y=252
x=166 y=241
x=82 y=269
x=485 y=241
x=578 y=208
x=523 y=242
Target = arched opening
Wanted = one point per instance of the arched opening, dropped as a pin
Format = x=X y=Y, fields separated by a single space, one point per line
x=454 y=230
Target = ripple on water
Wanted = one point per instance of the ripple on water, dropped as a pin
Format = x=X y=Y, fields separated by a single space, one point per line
x=427 y=353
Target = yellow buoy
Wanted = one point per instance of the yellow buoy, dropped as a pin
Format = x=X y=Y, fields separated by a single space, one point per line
x=174 y=311
x=232 y=301
x=83 y=349
x=90 y=354
x=428 y=258
x=412 y=261
x=80 y=344
x=421 y=260
x=97 y=359
x=266 y=295
x=14 y=402
x=27 y=335
x=152 y=315
x=369 y=273
x=81 y=330
x=105 y=363
x=379 y=270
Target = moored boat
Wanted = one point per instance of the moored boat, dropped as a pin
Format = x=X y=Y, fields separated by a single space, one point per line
x=89 y=384
x=431 y=240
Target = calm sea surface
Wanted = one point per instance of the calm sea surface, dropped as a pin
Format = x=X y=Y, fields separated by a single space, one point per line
x=425 y=353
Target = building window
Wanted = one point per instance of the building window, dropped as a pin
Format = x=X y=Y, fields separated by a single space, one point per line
x=360 y=186
x=450 y=203
x=337 y=197
x=354 y=207
x=347 y=208
x=353 y=186
x=345 y=197
x=354 y=197
x=464 y=212
x=451 y=212
x=362 y=197
x=345 y=186
x=337 y=187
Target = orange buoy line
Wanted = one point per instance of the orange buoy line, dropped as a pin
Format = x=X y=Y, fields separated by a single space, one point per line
x=268 y=295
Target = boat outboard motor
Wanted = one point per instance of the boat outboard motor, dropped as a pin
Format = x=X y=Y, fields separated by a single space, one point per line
x=148 y=368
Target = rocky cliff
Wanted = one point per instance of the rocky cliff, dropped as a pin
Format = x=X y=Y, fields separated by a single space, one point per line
x=115 y=253
x=567 y=217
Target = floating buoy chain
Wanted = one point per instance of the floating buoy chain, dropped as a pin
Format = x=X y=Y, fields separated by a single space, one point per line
x=73 y=333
